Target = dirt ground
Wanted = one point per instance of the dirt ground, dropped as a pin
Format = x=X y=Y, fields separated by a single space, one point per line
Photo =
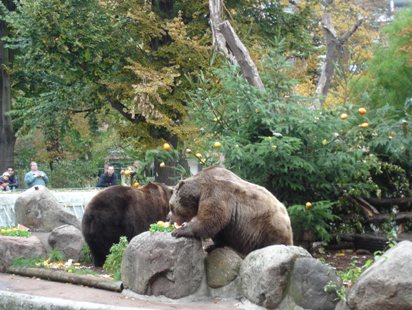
x=342 y=259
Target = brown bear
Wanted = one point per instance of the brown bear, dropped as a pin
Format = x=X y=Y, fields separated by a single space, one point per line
x=218 y=204
x=122 y=211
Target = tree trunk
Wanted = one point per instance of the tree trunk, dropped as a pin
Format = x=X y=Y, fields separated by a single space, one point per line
x=7 y=137
x=229 y=44
x=218 y=40
x=334 y=50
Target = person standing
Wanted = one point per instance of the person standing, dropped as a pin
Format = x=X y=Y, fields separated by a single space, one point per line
x=13 y=179
x=108 y=178
x=35 y=176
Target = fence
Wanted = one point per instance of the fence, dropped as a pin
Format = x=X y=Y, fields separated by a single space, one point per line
x=74 y=201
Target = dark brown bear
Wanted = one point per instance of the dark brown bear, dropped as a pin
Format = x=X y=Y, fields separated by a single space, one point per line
x=218 y=204
x=122 y=211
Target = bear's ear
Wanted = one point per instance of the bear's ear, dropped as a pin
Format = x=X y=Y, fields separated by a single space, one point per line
x=179 y=185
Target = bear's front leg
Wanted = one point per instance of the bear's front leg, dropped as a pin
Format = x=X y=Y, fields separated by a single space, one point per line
x=189 y=230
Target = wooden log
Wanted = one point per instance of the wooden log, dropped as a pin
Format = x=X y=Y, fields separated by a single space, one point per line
x=368 y=210
x=66 y=277
x=399 y=217
x=390 y=202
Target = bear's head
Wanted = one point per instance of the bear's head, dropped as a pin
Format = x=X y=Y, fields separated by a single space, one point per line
x=184 y=202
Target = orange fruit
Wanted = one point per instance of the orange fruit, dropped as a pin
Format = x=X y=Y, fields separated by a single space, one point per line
x=344 y=116
x=198 y=155
x=162 y=164
x=217 y=145
x=136 y=184
x=364 y=125
x=362 y=111
x=167 y=147
x=308 y=205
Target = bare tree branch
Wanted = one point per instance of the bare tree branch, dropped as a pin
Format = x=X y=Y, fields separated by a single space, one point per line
x=242 y=55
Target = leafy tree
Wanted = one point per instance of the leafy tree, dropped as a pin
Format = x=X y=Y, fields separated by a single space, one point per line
x=281 y=143
x=388 y=79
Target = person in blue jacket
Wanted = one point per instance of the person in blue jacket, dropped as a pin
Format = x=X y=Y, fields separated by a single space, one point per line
x=35 y=176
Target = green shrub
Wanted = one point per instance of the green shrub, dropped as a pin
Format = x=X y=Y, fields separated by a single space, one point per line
x=113 y=263
x=315 y=218
x=86 y=255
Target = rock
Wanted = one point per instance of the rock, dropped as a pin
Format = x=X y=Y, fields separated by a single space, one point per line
x=307 y=282
x=39 y=210
x=222 y=266
x=341 y=305
x=387 y=284
x=289 y=304
x=67 y=239
x=12 y=248
x=232 y=290
x=159 y=264
x=265 y=273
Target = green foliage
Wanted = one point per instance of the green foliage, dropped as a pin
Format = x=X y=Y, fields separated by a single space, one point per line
x=349 y=277
x=161 y=227
x=113 y=263
x=56 y=256
x=388 y=79
x=31 y=262
x=281 y=141
x=316 y=218
x=86 y=255
x=14 y=232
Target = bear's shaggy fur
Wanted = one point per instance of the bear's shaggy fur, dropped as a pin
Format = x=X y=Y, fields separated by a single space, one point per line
x=122 y=211
x=218 y=204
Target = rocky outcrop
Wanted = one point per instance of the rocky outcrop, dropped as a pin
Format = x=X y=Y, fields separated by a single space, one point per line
x=68 y=240
x=387 y=284
x=39 y=210
x=307 y=283
x=222 y=267
x=159 y=264
x=265 y=273
x=12 y=248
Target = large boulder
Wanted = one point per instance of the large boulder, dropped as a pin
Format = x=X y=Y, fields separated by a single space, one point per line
x=12 y=248
x=222 y=266
x=68 y=240
x=158 y=264
x=265 y=273
x=387 y=284
x=307 y=284
x=39 y=210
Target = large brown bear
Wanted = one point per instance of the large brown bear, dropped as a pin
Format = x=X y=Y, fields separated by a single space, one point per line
x=218 y=204
x=122 y=211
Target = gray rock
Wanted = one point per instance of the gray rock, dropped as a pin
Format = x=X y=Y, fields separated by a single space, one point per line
x=289 y=304
x=307 y=284
x=39 y=210
x=222 y=266
x=67 y=239
x=341 y=305
x=265 y=273
x=12 y=248
x=387 y=284
x=232 y=290
x=159 y=264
